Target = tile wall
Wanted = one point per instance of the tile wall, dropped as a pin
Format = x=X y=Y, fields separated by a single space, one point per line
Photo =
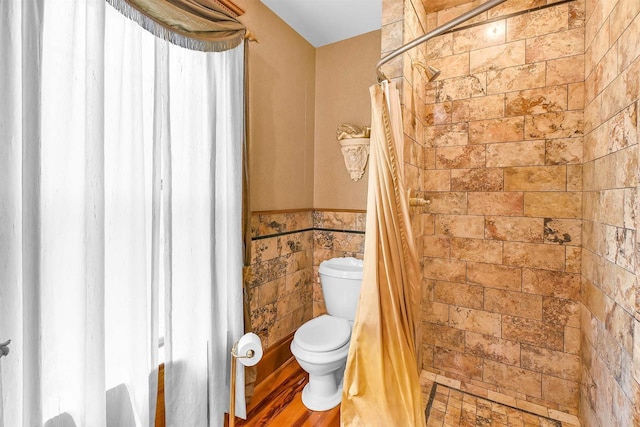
x=503 y=233
x=287 y=248
x=610 y=395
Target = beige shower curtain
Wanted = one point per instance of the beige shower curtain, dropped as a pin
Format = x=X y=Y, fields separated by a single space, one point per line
x=381 y=383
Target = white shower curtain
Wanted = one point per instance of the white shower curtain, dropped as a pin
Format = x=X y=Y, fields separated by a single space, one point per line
x=120 y=161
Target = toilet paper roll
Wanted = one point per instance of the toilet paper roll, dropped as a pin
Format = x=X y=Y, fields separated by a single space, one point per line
x=249 y=342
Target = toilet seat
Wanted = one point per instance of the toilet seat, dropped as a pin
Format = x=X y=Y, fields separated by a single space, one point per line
x=322 y=334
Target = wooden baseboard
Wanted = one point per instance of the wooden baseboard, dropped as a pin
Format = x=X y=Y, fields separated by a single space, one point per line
x=275 y=356
x=160 y=416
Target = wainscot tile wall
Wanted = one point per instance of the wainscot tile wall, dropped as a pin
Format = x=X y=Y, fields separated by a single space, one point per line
x=287 y=248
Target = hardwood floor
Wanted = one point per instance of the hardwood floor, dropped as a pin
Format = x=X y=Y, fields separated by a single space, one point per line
x=277 y=402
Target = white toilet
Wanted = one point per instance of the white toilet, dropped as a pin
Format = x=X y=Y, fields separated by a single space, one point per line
x=321 y=345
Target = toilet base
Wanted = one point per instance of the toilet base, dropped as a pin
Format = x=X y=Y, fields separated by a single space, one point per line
x=316 y=402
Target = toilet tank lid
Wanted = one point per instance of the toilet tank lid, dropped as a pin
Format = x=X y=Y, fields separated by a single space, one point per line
x=324 y=333
x=345 y=267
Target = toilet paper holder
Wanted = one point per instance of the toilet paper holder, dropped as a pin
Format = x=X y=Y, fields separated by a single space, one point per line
x=249 y=354
x=234 y=352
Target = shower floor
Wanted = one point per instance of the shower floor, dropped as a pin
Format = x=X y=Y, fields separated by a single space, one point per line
x=450 y=407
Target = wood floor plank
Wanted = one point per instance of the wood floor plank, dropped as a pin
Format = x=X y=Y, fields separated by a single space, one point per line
x=277 y=402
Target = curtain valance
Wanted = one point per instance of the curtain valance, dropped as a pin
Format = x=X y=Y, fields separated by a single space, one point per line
x=204 y=25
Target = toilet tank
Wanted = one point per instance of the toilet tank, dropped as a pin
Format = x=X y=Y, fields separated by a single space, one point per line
x=340 y=279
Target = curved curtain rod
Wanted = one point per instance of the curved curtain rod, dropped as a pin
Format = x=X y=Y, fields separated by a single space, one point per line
x=438 y=31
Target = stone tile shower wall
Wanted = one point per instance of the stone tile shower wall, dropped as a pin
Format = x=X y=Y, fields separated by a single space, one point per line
x=503 y=171
x=287 y=248
x=610 y=395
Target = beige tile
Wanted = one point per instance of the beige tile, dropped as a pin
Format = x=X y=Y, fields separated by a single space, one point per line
x=573 y=259
x=566 y=124
x=447 y=135
x=524 y=153
x=461 y=87
x=536 y=101
x=463 y=157
x=481 y=36
x=514 y=229
x=551 y=362
x=264 y=249
x=435 y=312
x=533 y=332
x=393 y=11
x=520 y=77
x=496 y=130
x=513 y=303
x=534 y=255
x=538 y=23
x=563 y=151
x=563 y=231
x=553 y=204
x=478 y=250
x=439 y=46
x=565 y=70
x=438 y=113
x=564 y=418
x=443 y=336
x=497 y=57
x=622 y=129
x=437 y=180
x=492 y=348
x=555 y=284
x=503 y=375
x=495 y=276
x=572 y=340
x=576 y=97
x=485 y=179
x=446 y=202
x=479 y=321
x=620 y=324
x=532 y=407
x=391 y=36
x=496 y=203
x=563 y=392
x=535 y=178
x=481 y=108
x=555 y=45
x=450 y=270
x=451 y=66
x=628 y=49
x=514 y=6
x=437 y=246
x=458 y=363
x=459 y=294
x=471 y=226
x=348 y=242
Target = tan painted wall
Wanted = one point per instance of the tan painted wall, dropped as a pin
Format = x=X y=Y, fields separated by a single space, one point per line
x=344 y=72
x=281 y=97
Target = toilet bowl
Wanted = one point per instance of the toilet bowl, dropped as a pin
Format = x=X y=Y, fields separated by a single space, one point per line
x=321 y=345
